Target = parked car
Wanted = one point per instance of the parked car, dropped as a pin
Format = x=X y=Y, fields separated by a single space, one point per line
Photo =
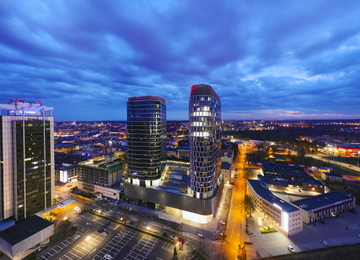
x=222 y=222
x=165 y=234
x=323 y=242
x=101 y=230
x=132 y=223
x=291 y=249
x=219 y=232
x=107 y=256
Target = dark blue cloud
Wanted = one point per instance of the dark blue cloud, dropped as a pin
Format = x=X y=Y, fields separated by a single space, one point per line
x=268 y=59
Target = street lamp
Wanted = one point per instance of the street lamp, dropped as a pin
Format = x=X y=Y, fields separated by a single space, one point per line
x=148 y=228
x=88 y=238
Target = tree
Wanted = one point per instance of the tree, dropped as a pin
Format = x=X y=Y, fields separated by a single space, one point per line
x=175 y=253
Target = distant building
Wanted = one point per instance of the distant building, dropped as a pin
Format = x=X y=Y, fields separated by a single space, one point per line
x=66 y=172
x=183 y=151
x=325 y=205
x=283 y=216
x=227 y=156
x=293 y=173
x=99 y=177
x=332 y=176
x=26 y=170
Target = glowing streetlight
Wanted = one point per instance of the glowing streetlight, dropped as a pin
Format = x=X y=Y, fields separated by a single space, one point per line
x=148 y=228
x=88 y=238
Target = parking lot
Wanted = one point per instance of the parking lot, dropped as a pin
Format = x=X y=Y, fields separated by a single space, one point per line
x=61 y=246
x=98 y=220
x=86 y=246
x=116 y=244
x=118 y=241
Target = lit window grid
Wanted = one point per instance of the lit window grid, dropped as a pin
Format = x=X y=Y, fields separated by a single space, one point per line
x=204 y=165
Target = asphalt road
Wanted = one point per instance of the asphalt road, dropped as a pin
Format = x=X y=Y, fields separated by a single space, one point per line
x=236 y=227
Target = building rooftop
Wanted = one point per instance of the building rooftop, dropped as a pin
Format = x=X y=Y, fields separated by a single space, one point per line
x=279 y=181
x=24 y=229
x=203 y=89
x=267 y=195
x=100 y=162
x=225 y=165
x=333 y=173
x=323 y=200
x=146 y=98
x=284 y=169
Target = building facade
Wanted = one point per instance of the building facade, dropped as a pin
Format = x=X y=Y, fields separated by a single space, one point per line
x=146 y=122
x=26 y=175
x=195 y=200
x=286 y=217
x=205 y=140
x=27 y=159
x=325 y=205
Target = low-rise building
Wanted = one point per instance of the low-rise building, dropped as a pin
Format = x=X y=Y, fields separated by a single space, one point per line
x=294 y=175
x=332 y=176
x=101 y=176
x=284 y=216
x=226 y=169
x=25 y=237
x=325 y=205
x=227 y=156
x=66 y=172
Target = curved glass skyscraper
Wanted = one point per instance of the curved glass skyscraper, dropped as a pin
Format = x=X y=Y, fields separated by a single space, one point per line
x=146 y=125
x=205 y=140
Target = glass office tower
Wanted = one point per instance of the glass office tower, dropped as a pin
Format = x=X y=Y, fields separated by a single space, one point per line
x=26 y=159
x=205 y=140
x=146 y=125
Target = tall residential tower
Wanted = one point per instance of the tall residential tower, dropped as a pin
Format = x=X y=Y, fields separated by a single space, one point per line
x=205 y=140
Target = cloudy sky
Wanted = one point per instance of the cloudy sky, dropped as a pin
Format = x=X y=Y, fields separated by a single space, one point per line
x=269 y=59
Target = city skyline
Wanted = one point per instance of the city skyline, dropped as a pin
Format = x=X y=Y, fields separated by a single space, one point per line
x=273 y=61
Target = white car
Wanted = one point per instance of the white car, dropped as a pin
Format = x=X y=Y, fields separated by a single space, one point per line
x=291 y=249
x=107 y=256
x=222 y=222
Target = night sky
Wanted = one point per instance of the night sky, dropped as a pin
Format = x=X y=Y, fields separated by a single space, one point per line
x=269 y=59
